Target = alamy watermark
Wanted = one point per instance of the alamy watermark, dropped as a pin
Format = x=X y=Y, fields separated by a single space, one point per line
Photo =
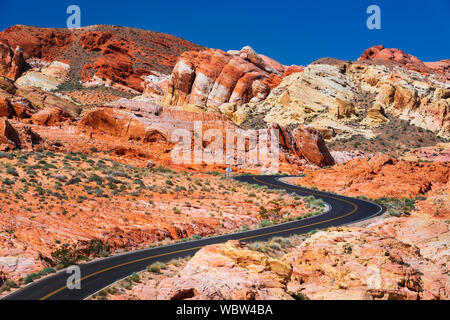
x=74 y=20
x=374 y=20
x=74 y=280
x=236 y=147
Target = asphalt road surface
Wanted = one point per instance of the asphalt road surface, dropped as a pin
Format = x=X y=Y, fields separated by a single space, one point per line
x=101 y=273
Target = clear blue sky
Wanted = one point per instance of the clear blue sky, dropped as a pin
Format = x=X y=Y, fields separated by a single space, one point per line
x=290 y=31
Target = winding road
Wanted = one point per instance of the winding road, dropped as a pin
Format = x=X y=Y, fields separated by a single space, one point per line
x=100 y=273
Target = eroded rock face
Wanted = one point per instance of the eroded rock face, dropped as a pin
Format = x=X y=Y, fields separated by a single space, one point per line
x=318 y=89
x=7 y=85
x=307 y=143
x=16 y=137
x=118 y=56
x=50 y=117
x=419 y=102
x=365 y=264
x=406 y=60
x=15 y=107
x=381 y=176
x=228 y=271
x=352 y=98
x=41 y=99
x=211 y=77
x=149 y=123
x=11 y=61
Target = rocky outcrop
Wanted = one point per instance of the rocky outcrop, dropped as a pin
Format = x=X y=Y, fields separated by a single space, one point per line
x=306 y=143
x=118 y=56
x=342 y=95
x=375 y=116
x=147 y=122
x=41 y=99
x=16 y=137
x=418 y=102
x=211 y=77
x=381 y=176
x=247 y=53
x=366 y=264
x=390 y=259
x=228 y=271
x=15 y=107
x=318 y=89
x=408 y=61
x=50 y=117
x=11 y=61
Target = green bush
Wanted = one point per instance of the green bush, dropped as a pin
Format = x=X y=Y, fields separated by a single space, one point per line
x=97 y=248
x=135 y=277
x=12 y=171
x=264 y=223
x=8 y=285
x=6 y=155
x=66 y=256
x=156 y=267
x=300 y=296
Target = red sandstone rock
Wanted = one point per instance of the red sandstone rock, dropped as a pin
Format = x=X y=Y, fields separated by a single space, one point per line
x=20 y=136
x=228 y=271
x=149 y=123
x=381 y=176
x=11 y=61
x=120 y=55
x=50 y=116
x=306 y=143
x=15 y=107
x=406 y=60
x=293 y=69
x=212 y=77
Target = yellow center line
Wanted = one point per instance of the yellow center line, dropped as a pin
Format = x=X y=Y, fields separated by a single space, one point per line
x=355 y=207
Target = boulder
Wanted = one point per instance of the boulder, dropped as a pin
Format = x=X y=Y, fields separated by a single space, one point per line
x=375 y=116
x=310 y=145
x=15 y=107
x=11 y=61
x=228 y=271
x=7 y=85
x=50 y=116
x=345 y=109
x=41 y=99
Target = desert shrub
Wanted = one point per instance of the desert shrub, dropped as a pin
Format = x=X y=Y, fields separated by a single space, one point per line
x=74 y=180
x=8 y=285
x=262 y=212
x=6 y=155
x=135 y=277
x=8 y=182
x=60 y=177
x=66 y=256
x=156 y=267
x=96 y=178
x=300 y=296
x=97 y=248
x=264 y=223
x=12 y=171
